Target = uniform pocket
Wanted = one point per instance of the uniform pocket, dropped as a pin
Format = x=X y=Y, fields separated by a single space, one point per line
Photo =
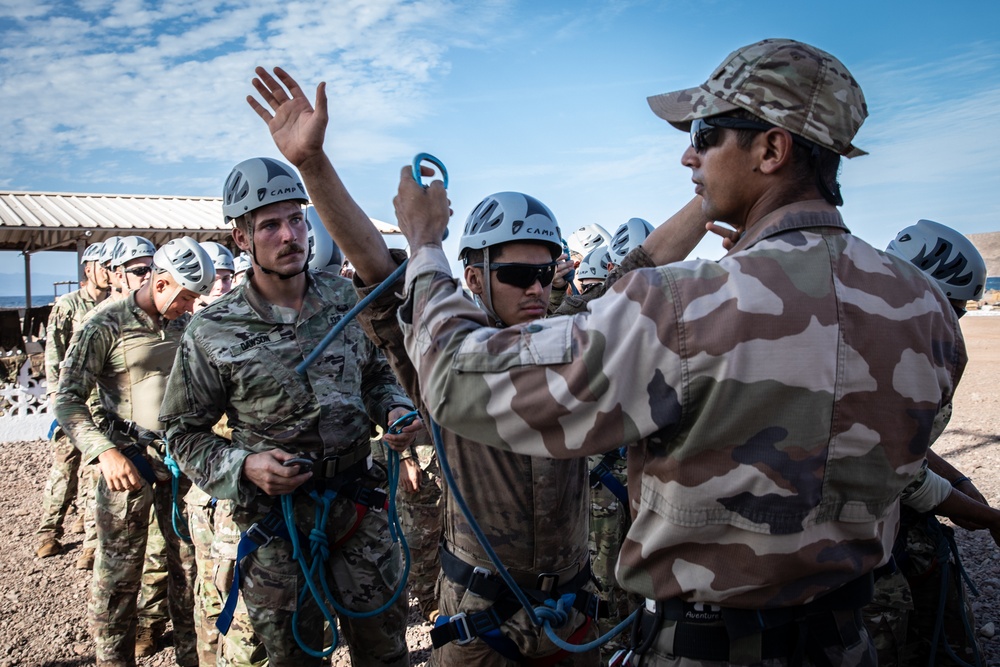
x=274 y=587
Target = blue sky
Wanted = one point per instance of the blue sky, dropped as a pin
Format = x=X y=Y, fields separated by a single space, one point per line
x=544 y=97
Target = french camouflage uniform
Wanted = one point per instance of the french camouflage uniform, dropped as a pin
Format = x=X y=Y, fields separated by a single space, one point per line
x=127 y=355
x=532 y=510
x=238 y=358
x=787 y=391
x=420 y=517
x=68 y=480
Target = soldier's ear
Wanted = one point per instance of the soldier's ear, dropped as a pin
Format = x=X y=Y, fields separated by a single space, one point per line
x=241 y=238
x=474 y=279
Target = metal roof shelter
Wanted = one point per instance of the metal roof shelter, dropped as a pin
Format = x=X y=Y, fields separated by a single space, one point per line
x=33 y=222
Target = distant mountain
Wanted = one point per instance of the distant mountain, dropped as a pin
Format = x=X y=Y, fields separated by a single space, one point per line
x=12 y=284
x=988 y=245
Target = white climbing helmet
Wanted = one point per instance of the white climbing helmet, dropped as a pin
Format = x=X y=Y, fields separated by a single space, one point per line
x=507 y=217
x=945 y=255
x=594 y=264
x=587 y=238
x=323 y=252
x=257 y=182
x=241 y=263
x=628 y=237
x=108 y=251
x=188 y=264
x=131 y=247
x=222 y=258
x=93 y=253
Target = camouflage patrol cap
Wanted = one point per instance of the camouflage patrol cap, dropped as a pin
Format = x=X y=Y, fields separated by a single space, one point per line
x=787 y=83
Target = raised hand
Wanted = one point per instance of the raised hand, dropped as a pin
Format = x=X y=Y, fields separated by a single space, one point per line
x=297 y=128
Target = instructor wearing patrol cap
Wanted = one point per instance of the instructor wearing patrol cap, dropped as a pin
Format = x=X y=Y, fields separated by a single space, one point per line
x=787 y=390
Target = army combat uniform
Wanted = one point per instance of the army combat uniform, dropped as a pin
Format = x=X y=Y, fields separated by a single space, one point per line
x=238 y=357
x=67 y=478
x=787 y=391
x=532 y=510
x=127 y=355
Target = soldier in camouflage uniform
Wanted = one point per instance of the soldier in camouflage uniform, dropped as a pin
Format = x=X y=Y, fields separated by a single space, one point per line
x=238 y=357
x=906 y=614
x=126 y=350
x=786 y=390
x=62 y=486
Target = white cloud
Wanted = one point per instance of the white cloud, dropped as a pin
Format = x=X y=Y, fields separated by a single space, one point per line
x=169 y=82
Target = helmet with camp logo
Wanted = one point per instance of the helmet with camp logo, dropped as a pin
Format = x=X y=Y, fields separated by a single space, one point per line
x=222 y=258
x=188 y=264
x=507 y=217
x=257 y=182
x=628 y=237
x=945 y=255
x=131 y=247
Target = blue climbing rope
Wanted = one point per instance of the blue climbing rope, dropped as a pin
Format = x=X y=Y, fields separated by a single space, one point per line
x=176 y=516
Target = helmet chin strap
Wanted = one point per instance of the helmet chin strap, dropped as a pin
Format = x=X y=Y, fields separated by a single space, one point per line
x=487 y=300
x=173 y=297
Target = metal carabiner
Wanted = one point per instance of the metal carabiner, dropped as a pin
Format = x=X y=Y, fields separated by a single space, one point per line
x=427 y=157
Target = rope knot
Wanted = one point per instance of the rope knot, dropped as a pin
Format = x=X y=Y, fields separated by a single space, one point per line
x=556 y=612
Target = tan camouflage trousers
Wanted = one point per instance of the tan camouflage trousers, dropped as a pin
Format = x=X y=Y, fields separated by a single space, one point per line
x=530 y=639
x=362 y=574
x=207 y=599
x=68 y=481
x=609 y=522
x=420 y=517
x=122 y=531
x=153 y=609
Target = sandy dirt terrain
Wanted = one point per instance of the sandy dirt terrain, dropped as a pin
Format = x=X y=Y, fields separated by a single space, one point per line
x=43 y=602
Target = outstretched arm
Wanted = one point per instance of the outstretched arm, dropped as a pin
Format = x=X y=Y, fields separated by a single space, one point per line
x=298 y=130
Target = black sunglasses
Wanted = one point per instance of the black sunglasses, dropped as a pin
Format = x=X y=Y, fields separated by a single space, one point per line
x=704 y=134
x=524 y=275
x=139 y=271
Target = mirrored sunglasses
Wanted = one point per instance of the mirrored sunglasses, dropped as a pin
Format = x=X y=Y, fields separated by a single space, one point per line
x=524 y=275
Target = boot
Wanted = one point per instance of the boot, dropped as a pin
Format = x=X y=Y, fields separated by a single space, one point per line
x=77 y=526
x=48 y=546
x=145 y=642
x=86 y=560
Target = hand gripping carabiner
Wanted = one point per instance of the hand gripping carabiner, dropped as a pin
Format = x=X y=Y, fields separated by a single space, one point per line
x=397 y=426
x=427 y=157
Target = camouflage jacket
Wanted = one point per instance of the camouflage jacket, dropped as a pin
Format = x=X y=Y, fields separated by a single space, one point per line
x=127 y=355
x=238 y=358
x=68 y=315
x=534 y=511
x=788 y=391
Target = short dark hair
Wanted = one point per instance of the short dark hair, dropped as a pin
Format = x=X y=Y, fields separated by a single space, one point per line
x=807 y=170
